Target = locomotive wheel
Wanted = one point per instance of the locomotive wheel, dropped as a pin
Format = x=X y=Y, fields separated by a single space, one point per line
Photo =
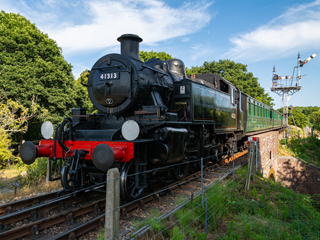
x=181 y=171
x=128 y=189
x=166 y=177
x=67 y=183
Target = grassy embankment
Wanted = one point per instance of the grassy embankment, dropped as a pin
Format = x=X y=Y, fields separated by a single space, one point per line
x=307 y=149
x=266 y=211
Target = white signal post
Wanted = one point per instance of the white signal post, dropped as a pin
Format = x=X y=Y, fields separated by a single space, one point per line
x=286 y=88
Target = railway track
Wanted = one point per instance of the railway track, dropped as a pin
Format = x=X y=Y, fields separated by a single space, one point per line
x=21 y=220
x=19 y=205
x=30 y=216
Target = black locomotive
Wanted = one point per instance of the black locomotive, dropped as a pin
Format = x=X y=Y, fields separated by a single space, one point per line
x=150 y=115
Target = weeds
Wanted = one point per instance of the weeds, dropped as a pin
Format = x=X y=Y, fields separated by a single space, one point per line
x=31 y=179
x=268 y=211
x=307 y=149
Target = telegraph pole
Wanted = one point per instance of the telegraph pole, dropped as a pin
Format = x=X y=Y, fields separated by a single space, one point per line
x=286 y=88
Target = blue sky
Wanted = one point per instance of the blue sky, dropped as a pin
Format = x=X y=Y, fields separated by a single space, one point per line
x=260 y=34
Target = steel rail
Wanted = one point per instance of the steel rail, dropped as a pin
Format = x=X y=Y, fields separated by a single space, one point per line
x=34 y=213
x=33 y=229
x=13 y=206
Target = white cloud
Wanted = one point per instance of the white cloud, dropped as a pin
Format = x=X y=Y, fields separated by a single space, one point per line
x=296 y=30
x=185 y=39
x=88 y=25
x=200 y=50
x=197 y=46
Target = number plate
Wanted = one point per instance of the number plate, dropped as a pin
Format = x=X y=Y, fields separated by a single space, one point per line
x=107 y=76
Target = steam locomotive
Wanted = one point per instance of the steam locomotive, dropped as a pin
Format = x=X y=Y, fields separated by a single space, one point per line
x=151 y=115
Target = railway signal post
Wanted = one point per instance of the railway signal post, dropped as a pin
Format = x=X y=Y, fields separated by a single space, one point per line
x=286 y=86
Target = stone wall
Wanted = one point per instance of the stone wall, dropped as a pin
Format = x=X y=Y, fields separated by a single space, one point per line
x=290 y=171
x=267 y=154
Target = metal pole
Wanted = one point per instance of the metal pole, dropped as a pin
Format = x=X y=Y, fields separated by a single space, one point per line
x=202 y=180
x=206 y=214
x=256 y=158
x=48 y=170
x=233 y=172
x=256 y=153
x=251 y=158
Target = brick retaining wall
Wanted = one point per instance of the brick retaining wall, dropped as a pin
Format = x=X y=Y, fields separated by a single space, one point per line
x=290 y=171
x=267 y=156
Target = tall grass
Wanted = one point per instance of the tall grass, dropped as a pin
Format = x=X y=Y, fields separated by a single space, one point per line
x=307 y=149
x=267 y=211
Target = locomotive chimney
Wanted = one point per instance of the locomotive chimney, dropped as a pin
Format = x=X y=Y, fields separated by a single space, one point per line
x=130 y=45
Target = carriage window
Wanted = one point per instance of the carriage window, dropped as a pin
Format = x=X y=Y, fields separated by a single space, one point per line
x=260 y=111
x=224 y=87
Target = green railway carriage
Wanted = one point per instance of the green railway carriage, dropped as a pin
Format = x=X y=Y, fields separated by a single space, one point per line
x=260 y=116
x=214 y=99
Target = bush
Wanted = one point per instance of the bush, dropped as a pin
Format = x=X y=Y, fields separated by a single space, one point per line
x=307 y=149
x=36 y=172
x=5 y=153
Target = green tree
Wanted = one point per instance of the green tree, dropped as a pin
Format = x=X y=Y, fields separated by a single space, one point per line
x=237 y=74
x=5 y=153
x=145 y=56
x=31 y=64
x=300 y=119
x=308 y=111
x=315 y=119
x=89 y=105
x=13 y=118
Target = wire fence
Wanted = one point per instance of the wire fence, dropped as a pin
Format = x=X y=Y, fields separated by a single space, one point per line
x=195 y=214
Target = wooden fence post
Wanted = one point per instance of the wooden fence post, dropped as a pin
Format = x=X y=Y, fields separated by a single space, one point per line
x=112 y=216
x=251 y=163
